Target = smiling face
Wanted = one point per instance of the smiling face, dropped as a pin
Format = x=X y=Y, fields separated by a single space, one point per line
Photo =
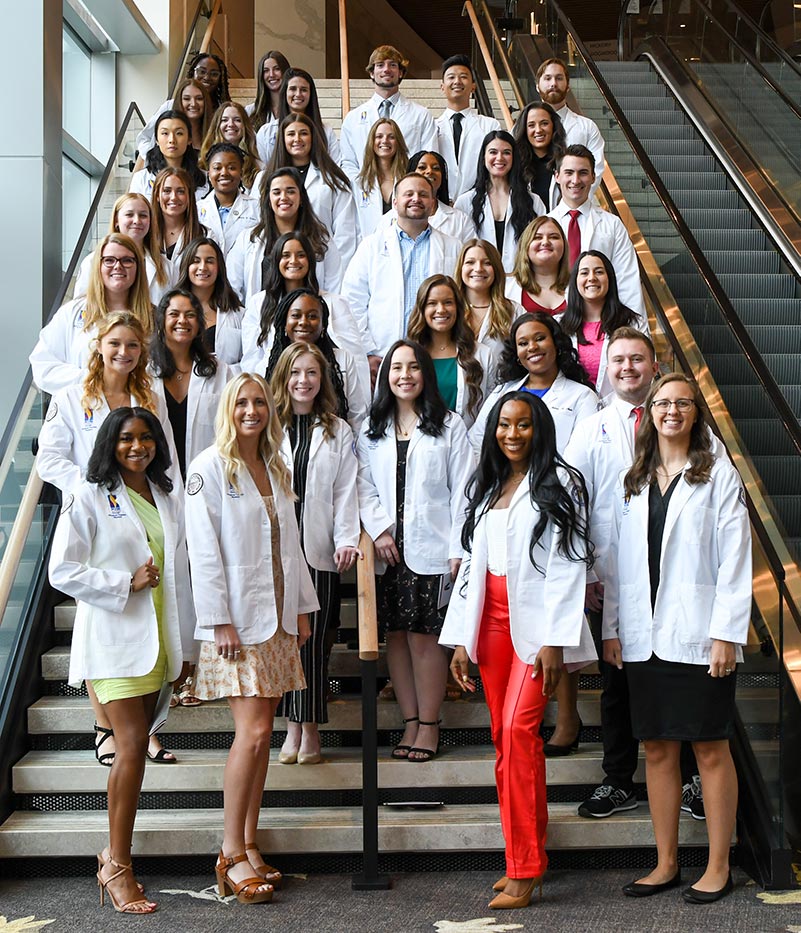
x=207 y=72
x=547 y=245
x=515 y=434
x=553 y=86
x=439 y=309
x=133 y=219
x=232 y=129
x=539 y=130
x=405 y=377
x=385 y=145
x=592 y=279
x=293 y=264
x=134 y=450
x=387 y=76
x=414 y=199
x=271 y=74
x=575 y=177
x=192 y=102
x=120 y=349
x=304 y=383
x=631 y=369
x=298 y=143
x=477 y=271
x=251 y=412
x=204 y=267
x=304 y=320
x=457 y=86
x=498 y=157
x=676 y=419
x=181 y=324
x=117 y=268
x=429 y=168
x=298 y=92
x=173 y=197
x=537 y=351
x=225 y=174
x=284 y=197
x=172 y=139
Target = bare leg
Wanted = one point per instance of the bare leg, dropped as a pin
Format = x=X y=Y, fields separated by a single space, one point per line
x=567 y=717
x=244 y=776
x=430 y=670
x=663 y=777
x=101 y=719
x=719 y=782
x=399 y=662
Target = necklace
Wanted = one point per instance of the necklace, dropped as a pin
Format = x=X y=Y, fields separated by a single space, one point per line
x=181 y=373
x=517 y=480
x=480 y=307
x=405 y=429
x=667 y=475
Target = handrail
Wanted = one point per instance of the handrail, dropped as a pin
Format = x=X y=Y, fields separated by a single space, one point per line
x=16 y=540
x=344 y=64
x=179 y=68
x=490 y=65
x=518 y=91
x=216 y=9
x=366 y=601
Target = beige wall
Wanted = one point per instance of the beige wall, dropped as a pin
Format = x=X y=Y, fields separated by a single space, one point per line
x=294 y=27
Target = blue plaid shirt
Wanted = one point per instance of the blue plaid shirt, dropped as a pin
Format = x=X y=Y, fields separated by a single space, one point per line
x=415 y=255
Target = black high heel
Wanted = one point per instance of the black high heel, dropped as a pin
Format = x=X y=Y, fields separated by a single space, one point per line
x=560 y=751
x=429 y=753
x=105 y=758
x=403 y=749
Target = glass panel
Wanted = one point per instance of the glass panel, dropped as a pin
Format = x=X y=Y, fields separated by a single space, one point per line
x=76 y=199
x=77 y=91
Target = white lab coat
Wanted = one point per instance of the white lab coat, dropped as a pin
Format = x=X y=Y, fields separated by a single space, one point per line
x=415 y=122
x=704 y=572
x=331 y=504
x=68 y=436
x=447 y=220
x=567 y=401
x=605 y=232
x=230 y=553
x=98 y=545
x=487 y=231
x=495 y=345
x=373 y=283
x=546 y=603
x=244 y=215
x=369 y=207
x=59 y=357
x=156 y=290
x=202 y=402
x=437 y=471
x=243 y=266
x=267 y=134
x=228 y=336
x=475 y=126
x=580 y=130
x=484 y=357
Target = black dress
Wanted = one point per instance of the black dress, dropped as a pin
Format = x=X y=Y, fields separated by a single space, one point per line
x=669 y=699
x=407 y=601
x=176 y=412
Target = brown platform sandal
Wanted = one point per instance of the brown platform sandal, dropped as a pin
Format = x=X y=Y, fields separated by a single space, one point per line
x=246 y=891
x=270 y=874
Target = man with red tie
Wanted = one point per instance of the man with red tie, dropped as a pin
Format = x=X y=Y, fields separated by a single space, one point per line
x=586 y=226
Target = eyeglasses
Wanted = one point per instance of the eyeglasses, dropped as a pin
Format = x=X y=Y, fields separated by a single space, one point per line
x=664 y=404
x=203 y=73
x=125 y=261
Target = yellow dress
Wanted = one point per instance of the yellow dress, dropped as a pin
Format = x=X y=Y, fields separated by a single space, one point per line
x=121 y=688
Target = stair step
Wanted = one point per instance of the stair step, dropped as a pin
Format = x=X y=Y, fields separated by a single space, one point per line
x=77 y=772
x=329 y=829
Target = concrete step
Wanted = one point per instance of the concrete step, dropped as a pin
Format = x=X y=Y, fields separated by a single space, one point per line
x=77 y=772
x=330 y=829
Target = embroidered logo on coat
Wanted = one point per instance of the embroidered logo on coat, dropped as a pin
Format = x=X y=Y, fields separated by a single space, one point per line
x=52 y=411
x=114 y=506
x=194 y=484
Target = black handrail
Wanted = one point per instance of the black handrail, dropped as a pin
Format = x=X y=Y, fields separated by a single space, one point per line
x=787 y=416
x=201 y=8
x=71 y=267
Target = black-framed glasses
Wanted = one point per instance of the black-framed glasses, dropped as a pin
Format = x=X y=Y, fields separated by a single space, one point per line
x=204 y=73
x=125 y=261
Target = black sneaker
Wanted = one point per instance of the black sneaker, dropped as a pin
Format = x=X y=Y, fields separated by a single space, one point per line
x=607 y=800
x=692 y=799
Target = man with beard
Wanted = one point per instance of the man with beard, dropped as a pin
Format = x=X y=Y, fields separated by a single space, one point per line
x=387 y=68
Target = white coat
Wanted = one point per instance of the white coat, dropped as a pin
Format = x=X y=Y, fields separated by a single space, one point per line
x=487 y=230
x=156 y=290
x=228 y=336
x=495 y=345
x=546 y=603
x=705 y=572
x=230 y=553
x=369 y=207
x=267 y=134
x=415 y=122
x=566 y=400
x=484 y=357
x=475 y=126
x=331 y=505
x=605 y=232
x=448 y=220
x=581 y=131
x=244 y=215
x=69 y=432
x=243 y=266
x=202 y=402
x=98 y=545
x=437 y=471
x=60 y=354
x=373 y=283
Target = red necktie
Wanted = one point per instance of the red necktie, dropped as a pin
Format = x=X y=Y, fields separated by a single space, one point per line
x=574 y=237
x=637 y=412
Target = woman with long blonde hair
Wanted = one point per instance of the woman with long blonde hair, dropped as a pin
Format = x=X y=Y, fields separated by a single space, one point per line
x=542 y=270
x=252 y=596
x=117 y=282
x=231 y=124
x=384 y=164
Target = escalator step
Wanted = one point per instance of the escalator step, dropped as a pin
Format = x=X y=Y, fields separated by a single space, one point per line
x=684 y=284
x=718 y=338
x=723 y=218
x=771 y=312
x=725 y=198
x=700 y=181
x=779 y=474
x=666 y=147
x=747 y=401
x=630 y=102
x=654 y=133
x=733 y=262
x=682 y=163
x=765 y=437
x=734 y=368
x=789 y=509
x=730 y=238
x=658 y=117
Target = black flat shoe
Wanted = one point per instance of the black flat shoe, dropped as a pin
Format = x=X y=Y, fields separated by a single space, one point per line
x=694 y=896
x=636 y=889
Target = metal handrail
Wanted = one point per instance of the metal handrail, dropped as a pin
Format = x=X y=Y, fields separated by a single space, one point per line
x=19 y=534
x=344 y=65
x=490 y=65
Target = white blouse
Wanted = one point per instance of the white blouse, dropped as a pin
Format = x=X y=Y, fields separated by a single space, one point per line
x=495 y=526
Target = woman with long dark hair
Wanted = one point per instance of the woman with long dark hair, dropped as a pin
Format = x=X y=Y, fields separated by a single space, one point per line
x=175 y=217
x=270 y=71
x=319 y=447
x=500 y=204
x=594 y=312
x=202 y=273
x=681 y=548
x=526 y=544
x=542 y=268
x=538 y=358
x=539 y=142
x=173 y=149
x=119 y=549
x=414 y=463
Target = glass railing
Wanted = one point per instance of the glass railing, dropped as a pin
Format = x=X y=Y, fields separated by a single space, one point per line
x=194 y=39
x=759 y=112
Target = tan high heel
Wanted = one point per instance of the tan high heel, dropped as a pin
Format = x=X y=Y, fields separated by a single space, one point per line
x=501 y=883
x=140 y=906
x=505 y=901
x=250 y=890
x=270 y=874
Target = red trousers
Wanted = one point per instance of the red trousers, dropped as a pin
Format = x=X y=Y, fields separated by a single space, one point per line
x=516 y=704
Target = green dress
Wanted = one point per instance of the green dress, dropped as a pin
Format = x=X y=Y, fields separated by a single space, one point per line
x=121 y=688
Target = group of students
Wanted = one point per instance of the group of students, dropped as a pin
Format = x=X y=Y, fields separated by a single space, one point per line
x=229 y=410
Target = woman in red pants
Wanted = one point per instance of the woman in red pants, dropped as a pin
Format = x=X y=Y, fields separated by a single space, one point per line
x=518 y=610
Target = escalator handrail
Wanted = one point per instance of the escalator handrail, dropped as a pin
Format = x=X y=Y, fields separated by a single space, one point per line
x=22 y=396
